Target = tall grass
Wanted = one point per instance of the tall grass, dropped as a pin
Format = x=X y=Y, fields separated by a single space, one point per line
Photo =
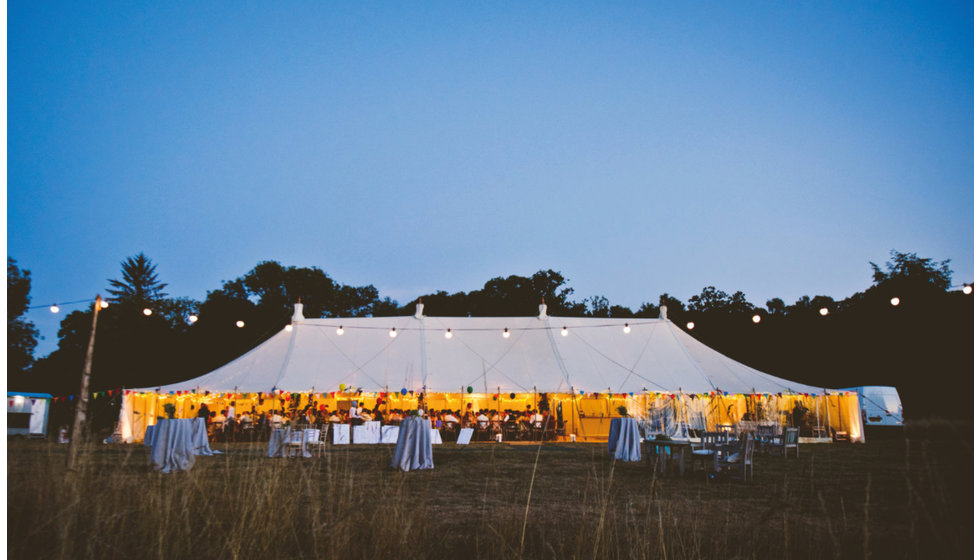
x=906 y=498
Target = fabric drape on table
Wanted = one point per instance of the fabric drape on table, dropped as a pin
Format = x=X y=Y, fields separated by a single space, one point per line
x=277 y=443
x=341 y=434
x=464 y=437
x=148 y=437
x=173 y=448
x=200 y=438
x=624 y=439
x=413 y=451
x=389 y=434
x=369 y=432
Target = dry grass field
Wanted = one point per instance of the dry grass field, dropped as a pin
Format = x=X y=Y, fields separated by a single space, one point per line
x=907 y=496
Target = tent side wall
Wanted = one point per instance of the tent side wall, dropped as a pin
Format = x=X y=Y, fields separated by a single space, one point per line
x=585 y=415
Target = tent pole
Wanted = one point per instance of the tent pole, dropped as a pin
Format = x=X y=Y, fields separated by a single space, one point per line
x=82 y=408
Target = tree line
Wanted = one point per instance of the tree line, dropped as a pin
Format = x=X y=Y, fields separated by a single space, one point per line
x=923 y=346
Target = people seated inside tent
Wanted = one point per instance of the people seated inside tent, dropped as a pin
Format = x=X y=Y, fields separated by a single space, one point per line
x=395 y=417
x=276 y=421
x=482 y=426
x=231 y=429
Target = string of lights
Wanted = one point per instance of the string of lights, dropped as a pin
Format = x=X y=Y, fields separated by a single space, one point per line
x=393 y=331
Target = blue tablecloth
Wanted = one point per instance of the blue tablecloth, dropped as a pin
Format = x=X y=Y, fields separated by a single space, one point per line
x=199 y=437
x=624 y=439
x=148 y=437
x=172 y=448
x=413 y=451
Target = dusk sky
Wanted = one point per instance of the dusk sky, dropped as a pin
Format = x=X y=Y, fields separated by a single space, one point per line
x=637 y=148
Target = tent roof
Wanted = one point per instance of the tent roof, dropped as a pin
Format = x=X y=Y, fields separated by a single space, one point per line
x=596 y=355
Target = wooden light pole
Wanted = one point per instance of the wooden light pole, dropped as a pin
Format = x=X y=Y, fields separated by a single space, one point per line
x=82 y=407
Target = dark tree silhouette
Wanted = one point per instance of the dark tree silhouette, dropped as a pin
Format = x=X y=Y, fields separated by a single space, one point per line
x=139 y=284
x=909 y=269
x=21 y=333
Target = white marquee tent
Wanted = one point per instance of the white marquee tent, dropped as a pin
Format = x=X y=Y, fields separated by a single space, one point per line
x=592 y=355
x=488 y=355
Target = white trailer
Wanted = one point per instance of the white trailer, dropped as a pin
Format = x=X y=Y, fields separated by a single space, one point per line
x=880 y=405
x=27 y=414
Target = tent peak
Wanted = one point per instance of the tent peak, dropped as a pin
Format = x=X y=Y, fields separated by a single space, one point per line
x=298 y=312
x=663 y=312
x=418 y=309
x=542 y=310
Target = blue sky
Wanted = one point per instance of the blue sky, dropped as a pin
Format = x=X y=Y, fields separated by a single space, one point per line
x=638 y=148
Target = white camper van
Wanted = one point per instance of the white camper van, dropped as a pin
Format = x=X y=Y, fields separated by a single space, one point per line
x=27 y=414
x=880 y=405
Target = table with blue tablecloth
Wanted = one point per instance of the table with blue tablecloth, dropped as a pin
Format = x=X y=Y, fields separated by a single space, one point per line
x=172 y=445
x=624 y=439
x=148 y=436
x=199 y=436
x=413 y=451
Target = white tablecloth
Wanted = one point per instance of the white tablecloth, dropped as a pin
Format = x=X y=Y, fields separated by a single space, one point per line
x=414 y=448
x=464 y=436
x=341 y=434
x=389 y=434
x=624 y=439
x=172 y=449
x=369 y=432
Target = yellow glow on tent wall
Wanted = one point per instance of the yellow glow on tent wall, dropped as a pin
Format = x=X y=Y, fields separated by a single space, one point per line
x=587 y=415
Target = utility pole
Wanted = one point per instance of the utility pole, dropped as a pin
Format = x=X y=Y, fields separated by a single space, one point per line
x=82 y=407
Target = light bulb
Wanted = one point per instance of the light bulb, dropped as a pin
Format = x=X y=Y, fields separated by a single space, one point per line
x=239 y=324
x=289 y=328
x=506 y=333
x=564 y=331
x=690 y=325
x=104 y=304
x=626 y=329
x=756 y=319
x=340 y=330
x=968 y=289
x=895 y=301
x=147 y=311
x=449 y=333
x=55 y=308
x=393 y=333
x=192 y=319
x=824 y=311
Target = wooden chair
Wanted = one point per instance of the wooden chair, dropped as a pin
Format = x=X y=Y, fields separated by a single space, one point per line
x=791 y=440
x=537 y=430
x=323 y=439
x=706 y=451
x=483 y=430
x=742 y=460
x=295 y=441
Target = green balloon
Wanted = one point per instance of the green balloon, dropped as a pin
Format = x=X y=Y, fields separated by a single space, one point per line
x=469 y=389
